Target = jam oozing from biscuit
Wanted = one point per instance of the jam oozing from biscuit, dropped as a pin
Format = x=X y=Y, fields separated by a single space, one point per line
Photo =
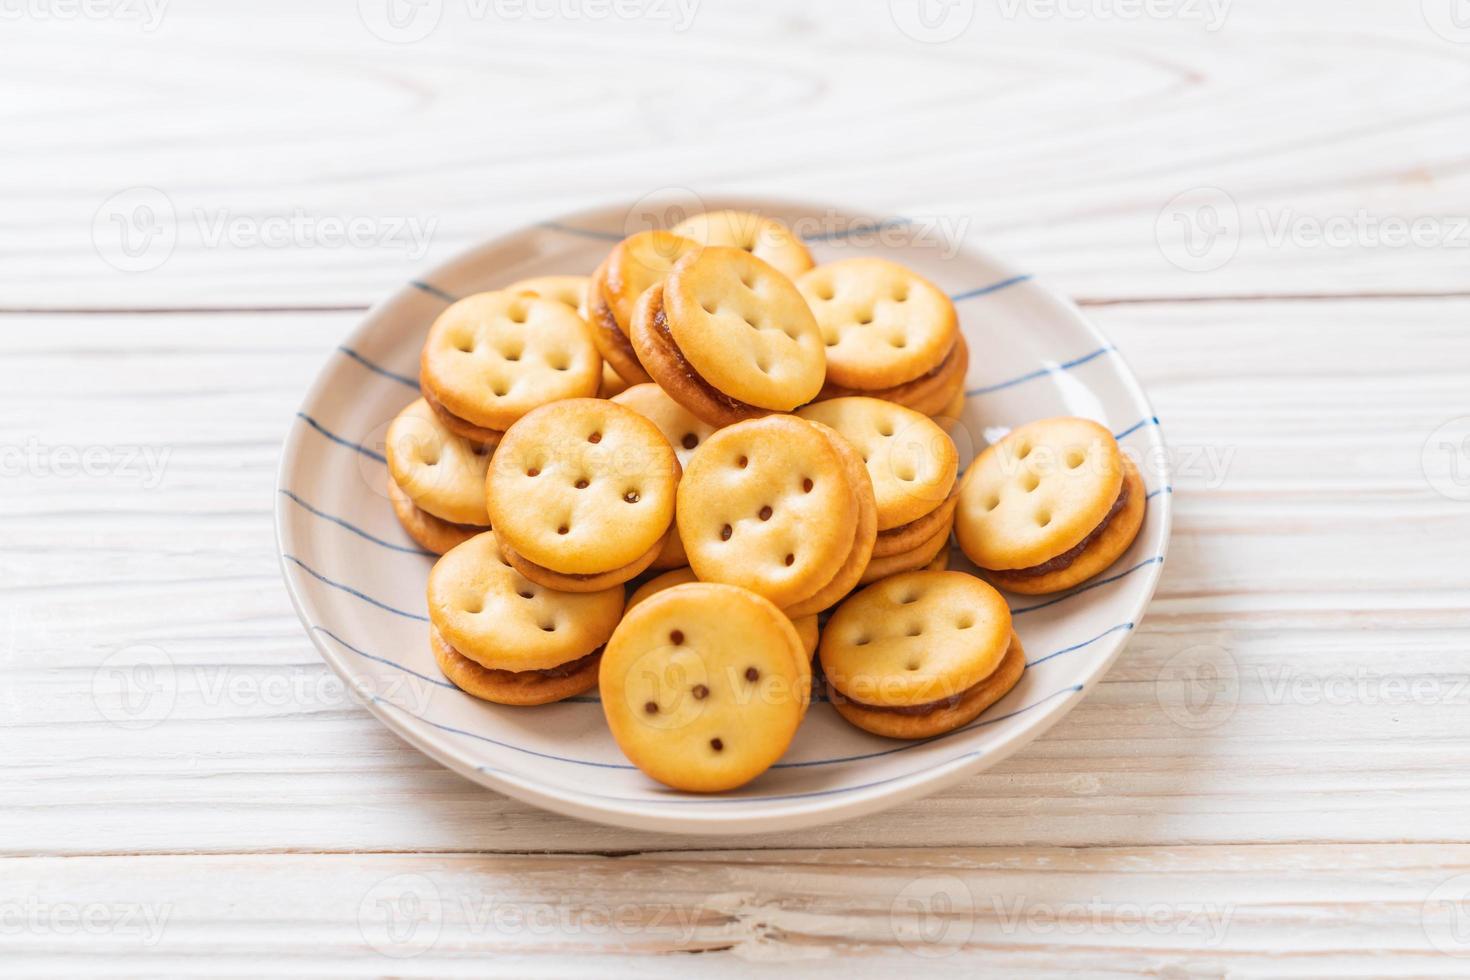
x=546 y=673
x=1066 y=558
x=913 y=710
x=669 y=347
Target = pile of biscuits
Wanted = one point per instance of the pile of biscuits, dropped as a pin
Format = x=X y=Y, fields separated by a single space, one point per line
x=663 y=479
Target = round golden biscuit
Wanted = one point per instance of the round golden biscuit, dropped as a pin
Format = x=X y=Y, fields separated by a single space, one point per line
x=610 y=339
x=1038 y=492
x=744 y=328
x=526 y=687
x=492 y=357
x=493 y=615
x=806 y=626
x=428 y=532
x=927 y=394
x=704 y=685
x=882 y=324
x=583 y=487
x=865 y=533
x=635 y=263
x=767 y=505
x=920 y=556
x=665 y=363
x=765 y=238
x=916 y=638
x=476 y=434
x=585 y=582
x=569 y=291
x=907 y=537
x=684 y=430
x=911 y=460
x=946 y=717
x=440 y=472
x=1104 y=549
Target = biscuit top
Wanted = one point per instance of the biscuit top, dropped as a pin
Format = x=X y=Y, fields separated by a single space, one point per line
x=684 y=430
x=441 y=472
x=569 y=291
x=1038 y=492
x=492 y=614
x=492 y=357
x=911 y=460
x=637 y=262
x=766 y=504
x=582 y=486
x=703 y=685
x=765 y=238
x=915 y=638
x=745 y=329
x=882 y=324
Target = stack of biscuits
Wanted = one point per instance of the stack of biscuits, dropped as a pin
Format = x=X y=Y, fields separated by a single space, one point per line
x=661 y=479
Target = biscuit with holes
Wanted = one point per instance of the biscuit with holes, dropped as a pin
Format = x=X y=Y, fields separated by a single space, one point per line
x=806 y=626
x=428 y=532
x=637 y=262
x=569 y=291
x=911 y=461
x=492 y=357
x=918 y=652
x=439 y=472
x=684 y=431
x=768 y=505
x=1050 y=505
x=765 y=238
x=882 y=324
x=928 y=394
x=581 y=493
x=610 y=339
x=501 y=637
x=849 y=574
x=704 y=685
x=729 y=338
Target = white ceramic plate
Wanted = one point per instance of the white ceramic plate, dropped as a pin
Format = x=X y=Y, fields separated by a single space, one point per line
x=358 y=581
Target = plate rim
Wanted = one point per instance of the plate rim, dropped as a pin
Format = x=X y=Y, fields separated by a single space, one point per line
x=813 y=811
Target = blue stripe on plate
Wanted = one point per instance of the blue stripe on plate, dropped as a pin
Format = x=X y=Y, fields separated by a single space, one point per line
x=409 y=549
x=1156 y=559
x=402 y=379
x=338 y=439
x=437 y=682
x=1040 y=372
x=858 y=228
x=1151 y=420
x=601 y=236
x=432 y=290
x=994 y=287
x=353 y=592
x=1155 y=493
x=1079 y=646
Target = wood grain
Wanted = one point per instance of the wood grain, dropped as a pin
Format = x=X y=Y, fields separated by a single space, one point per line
x=1306 y=817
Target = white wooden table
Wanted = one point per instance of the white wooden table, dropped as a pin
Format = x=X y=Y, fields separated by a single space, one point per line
x=1275 y=777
